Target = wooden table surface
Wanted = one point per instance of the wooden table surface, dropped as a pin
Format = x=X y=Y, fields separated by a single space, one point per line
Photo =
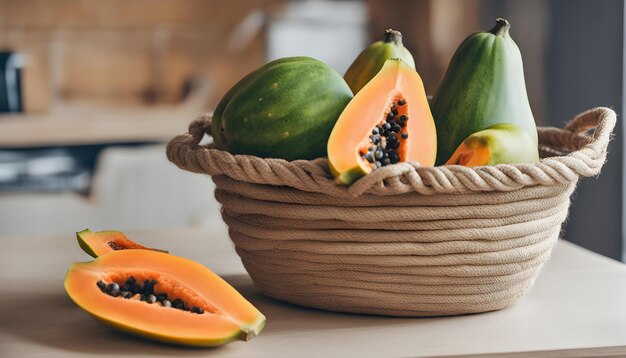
x=577 y=308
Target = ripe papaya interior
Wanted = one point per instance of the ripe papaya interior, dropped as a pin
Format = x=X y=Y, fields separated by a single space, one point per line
x=501 y=143
x=102 y=242
x=387 y=122
x=219 y=315
x=474 y=156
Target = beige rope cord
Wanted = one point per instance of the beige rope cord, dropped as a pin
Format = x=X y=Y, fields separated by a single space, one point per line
x=404 y=240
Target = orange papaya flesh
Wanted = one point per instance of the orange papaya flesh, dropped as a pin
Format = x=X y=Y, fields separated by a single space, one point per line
x=387 y=122
x=470 y=157
x=102 y=242
x=501 y=143
x=212 y=312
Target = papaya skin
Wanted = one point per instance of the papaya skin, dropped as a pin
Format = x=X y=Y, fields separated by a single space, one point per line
x=227 y=315
x=216 y=121
x=286 y=110
x=371 y=60
x=395 y=80
x=484 y=85
x=498 y=144
x=99 y=243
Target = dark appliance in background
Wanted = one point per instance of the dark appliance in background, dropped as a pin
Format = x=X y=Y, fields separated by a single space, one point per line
x=52 y=169
x=38 y=169
x=42 y=170
x=11 y=64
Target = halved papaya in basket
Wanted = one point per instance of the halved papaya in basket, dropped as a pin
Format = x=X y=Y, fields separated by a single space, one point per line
x=162 y=297
x=102 y=242
x=387 y=122
x=499 y=144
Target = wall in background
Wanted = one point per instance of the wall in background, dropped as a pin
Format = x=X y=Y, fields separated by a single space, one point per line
x=584 y=70
x=130 y=51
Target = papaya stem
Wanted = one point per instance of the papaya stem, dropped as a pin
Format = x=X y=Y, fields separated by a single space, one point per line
x=502 y=27
x=392 y=35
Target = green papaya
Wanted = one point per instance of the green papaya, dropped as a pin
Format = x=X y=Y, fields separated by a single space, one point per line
x=372 y=59
x=285 y=109
x=483 y=85
x=216 y=121
x=499 y=144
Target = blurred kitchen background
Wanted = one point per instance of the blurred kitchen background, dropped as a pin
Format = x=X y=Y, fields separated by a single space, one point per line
x=90 y=92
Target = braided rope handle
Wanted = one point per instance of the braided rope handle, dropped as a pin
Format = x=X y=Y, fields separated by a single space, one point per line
x=586 y=157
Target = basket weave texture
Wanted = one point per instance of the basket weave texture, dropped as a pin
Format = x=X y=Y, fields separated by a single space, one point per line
x=404 y=240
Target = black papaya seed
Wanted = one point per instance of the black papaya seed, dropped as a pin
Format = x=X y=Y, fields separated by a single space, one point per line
x=177 y=303
x=131 y=284
x=113 y=288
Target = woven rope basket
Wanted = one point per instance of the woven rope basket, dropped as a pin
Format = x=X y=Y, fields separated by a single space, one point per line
x=404 y=240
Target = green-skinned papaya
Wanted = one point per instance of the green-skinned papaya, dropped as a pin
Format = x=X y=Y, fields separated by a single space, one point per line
x=484 y=85
x=387 y=122
x=285 y=109
x=102 y=242
x=498 y=144
x=216 y=120
x=162 y=297
x=372 y=59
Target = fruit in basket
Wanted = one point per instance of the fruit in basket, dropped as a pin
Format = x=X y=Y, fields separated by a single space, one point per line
x=498 y=144
x=387 y=122
x=484 y=85
x=286 y=109
x=102 y=242
x=372 y=59
x=216 y=120
x=162 y=297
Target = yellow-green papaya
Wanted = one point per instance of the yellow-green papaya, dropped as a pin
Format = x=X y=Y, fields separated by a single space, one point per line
x=372 y=59
x=499 y=144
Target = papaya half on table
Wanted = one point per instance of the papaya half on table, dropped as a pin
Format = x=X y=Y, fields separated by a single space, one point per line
x=162 y=297
x=387 y=122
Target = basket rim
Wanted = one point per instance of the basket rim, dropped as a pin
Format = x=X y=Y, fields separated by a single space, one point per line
x=578 y=153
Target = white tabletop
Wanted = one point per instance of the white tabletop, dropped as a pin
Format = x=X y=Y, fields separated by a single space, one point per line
x=577 y=308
